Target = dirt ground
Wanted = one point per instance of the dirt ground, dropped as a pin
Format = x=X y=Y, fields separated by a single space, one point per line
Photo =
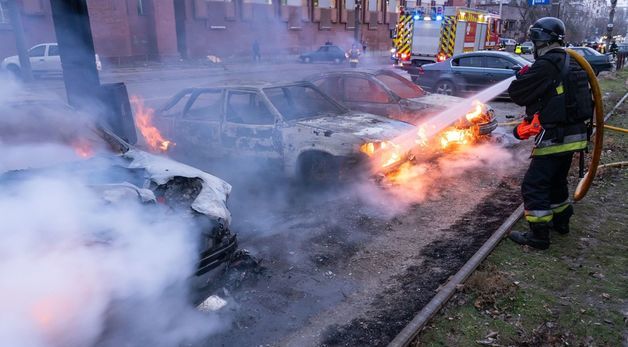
x=350 y=266
x=575 y=293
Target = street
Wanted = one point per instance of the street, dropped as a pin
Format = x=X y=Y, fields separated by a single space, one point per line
x=346 y=266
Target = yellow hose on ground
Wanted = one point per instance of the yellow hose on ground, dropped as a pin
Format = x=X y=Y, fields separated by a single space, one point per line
x=585 y=182
x=619 y=163
x=610 y=127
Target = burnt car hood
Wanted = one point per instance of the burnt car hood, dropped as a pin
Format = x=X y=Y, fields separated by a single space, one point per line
x=212 y=199
x=367 y=127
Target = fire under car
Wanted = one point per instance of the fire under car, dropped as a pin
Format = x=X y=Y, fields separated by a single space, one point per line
x=386 y=93
x=305 y=132
x=119 y=172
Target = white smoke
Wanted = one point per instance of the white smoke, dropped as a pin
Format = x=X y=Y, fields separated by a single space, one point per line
x=417 y=182
x=80 y=270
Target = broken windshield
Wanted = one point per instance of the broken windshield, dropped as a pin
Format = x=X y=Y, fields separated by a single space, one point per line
x=300 y=102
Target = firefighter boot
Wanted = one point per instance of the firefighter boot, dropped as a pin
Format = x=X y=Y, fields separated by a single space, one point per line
x=537 y=237
x=561 y=220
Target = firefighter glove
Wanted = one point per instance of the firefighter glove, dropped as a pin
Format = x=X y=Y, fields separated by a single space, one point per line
x=523 y=70
x=526 y=128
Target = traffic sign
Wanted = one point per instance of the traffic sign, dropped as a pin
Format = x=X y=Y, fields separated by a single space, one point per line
x=539 y=2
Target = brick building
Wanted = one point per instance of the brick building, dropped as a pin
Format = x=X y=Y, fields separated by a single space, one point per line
x=128 y=30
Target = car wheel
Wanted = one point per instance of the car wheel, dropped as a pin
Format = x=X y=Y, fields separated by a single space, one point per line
x=14 y=70
x=337 y=61
x=319 y=168
x=445 y=87
x=307 y=60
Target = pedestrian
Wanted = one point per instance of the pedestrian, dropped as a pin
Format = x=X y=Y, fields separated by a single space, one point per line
x=558 y=101
x=257 y=56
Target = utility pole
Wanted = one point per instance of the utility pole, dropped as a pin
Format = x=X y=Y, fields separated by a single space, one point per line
x=556 y=8
x=357 y=11
x=20 y=42
x=609 y=26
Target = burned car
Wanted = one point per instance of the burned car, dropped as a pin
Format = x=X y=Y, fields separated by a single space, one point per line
x=117 y=172
x=386 y=93
x=305 y=132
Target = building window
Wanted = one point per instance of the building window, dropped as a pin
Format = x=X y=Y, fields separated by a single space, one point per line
x=4 y=13
x=140 y=7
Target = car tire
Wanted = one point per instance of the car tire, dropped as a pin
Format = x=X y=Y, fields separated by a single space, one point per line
x=337 y=61
x=307 y=60
x=445 y=87
x=318 y=169
x=14 y=70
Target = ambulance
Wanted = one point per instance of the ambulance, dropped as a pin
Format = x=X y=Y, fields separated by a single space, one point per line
x=422 y=37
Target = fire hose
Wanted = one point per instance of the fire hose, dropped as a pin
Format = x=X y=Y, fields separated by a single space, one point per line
x=598 y=142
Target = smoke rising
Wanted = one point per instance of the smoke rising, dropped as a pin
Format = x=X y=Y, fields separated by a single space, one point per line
x=83 y=263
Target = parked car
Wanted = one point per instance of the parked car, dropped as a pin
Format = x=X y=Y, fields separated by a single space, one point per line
x=599 y=62
x=325 y=53
x=468 y=73
x=305 y=132
x=507 y=42
x=527 y=47
x=117 y=171
x=44 y=60
x=386 y=93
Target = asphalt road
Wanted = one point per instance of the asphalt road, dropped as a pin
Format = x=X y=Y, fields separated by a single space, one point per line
x=330 y=257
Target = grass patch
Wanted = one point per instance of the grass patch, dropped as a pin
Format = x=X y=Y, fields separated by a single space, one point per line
x=575 y=293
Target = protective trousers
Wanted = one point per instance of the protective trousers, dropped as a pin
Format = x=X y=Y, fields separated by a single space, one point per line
x=544 y=187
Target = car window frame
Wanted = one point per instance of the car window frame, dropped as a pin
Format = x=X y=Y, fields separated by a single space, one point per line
x=485 y=62
x=391 y=99
x=228 y=91
x=45 y=50
x=49 y=48
x=192 y=98
x=482 y=65
x=391 y=93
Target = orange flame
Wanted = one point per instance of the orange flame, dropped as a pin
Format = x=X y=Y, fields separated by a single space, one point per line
x=457 y=137
x=82 y=148
x=144 y=121
x=388 y=152
x=479 y=113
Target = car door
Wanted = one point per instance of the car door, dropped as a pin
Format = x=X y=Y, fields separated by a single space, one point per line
x=469 y=73
x=498 y=69
x=362 y=94
x=321 y=54
x=249 y=128
x=197 y=129
x=53 y=60
x=37 y=56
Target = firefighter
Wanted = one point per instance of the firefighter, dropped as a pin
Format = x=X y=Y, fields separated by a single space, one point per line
x=558 y=101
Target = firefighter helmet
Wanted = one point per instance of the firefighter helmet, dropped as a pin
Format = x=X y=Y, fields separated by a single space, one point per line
x=547 y=30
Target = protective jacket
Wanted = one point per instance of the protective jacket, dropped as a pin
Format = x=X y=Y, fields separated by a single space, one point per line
x=557 y=88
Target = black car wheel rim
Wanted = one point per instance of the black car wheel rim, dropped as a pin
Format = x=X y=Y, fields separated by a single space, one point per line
x=445 y=88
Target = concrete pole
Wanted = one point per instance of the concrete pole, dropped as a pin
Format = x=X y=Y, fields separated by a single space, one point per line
x=20 y=41
x=357 y=10
x=501 y=2
x=609 y=27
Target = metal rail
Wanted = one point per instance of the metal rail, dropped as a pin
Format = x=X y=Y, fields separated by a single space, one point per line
x=412 y=330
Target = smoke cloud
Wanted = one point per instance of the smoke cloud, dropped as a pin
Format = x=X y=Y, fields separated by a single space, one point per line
x=83 y=264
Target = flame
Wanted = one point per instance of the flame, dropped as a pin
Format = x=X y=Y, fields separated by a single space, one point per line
x=82 y=148
x=387 y=152
x=457 y=137
x=479 y=113
x=144 y=122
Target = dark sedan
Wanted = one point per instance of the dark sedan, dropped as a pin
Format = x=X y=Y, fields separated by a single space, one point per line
x=325 y=53
x=467 y=73
x=599 y=62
